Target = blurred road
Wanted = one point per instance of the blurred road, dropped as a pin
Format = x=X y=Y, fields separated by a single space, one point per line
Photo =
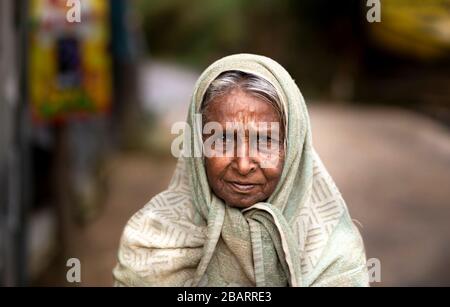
x=393 y=168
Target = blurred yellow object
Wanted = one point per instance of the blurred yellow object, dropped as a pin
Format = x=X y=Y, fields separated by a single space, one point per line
x=69 y=63
x=416 y=28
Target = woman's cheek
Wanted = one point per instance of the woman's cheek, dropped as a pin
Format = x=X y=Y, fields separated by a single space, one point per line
x=273 y=173
x=271 y=158
x=216 y=167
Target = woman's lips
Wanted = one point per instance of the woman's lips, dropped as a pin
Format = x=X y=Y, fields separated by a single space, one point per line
x=242 y=187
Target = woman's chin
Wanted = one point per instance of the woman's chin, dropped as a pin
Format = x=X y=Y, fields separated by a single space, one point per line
x=241 y=204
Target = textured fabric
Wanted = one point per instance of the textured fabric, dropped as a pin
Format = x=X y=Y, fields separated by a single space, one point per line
x=302 y=236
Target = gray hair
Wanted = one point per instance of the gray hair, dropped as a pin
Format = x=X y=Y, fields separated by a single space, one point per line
x=249 y=83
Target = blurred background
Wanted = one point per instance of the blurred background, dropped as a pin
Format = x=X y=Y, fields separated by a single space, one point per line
x=86 y=110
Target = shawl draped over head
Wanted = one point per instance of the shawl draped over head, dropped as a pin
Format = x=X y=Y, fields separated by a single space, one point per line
x=301 y=236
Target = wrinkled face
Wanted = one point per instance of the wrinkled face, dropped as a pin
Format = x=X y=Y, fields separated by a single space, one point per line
x=247 y=168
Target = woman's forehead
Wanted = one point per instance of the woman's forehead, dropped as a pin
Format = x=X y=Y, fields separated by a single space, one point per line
x=238 y=106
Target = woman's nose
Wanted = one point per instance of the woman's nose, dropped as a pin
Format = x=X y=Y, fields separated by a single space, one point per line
x=244 y=163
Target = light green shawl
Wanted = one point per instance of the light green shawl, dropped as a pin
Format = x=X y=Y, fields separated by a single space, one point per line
x=302 y=236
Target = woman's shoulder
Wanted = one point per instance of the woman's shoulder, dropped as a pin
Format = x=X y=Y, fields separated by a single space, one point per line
x=166 y=214
x=319 y=219
x=161 y=232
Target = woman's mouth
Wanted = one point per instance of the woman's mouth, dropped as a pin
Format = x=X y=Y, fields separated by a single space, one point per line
x=241 y=187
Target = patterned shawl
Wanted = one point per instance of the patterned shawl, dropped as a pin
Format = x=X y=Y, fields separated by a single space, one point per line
x=302 y=236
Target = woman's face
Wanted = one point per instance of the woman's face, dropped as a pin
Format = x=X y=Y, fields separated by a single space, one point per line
x=241 y=175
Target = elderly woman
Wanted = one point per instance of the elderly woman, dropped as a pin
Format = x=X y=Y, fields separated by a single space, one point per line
x=257 y=208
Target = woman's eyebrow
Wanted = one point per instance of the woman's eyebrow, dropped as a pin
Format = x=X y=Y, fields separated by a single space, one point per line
x=264 y=130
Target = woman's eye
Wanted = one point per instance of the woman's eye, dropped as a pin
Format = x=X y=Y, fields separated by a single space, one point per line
x=268 y=145
x=227 y=137
x=264 y=140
